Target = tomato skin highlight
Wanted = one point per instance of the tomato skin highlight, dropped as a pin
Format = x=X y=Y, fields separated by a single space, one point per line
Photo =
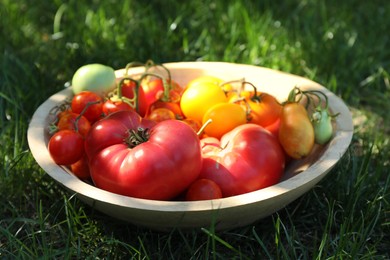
x=246 y=159
x=203 y=189
x=296 y=132
x=66 y=147
x=160 y=168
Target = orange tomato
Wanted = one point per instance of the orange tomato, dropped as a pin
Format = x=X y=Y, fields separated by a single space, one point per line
x=296 y=133
x=225 y=117
x=264 y=109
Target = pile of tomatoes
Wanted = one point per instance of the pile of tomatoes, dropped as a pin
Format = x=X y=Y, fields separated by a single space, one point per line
x=145 y=136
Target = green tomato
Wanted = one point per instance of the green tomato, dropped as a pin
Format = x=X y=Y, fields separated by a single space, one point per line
x=94 y=77
x=322 y=123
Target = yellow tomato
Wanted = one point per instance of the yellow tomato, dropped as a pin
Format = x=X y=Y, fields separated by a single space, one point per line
x=197 y=99
x=204 y=79
x=210 y=79
x=225 y=117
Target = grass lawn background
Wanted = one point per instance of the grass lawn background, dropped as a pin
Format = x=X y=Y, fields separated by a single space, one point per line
x=343 y=45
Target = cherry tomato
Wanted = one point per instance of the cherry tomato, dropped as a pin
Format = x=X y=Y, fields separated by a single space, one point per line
x=203 y=189
x=296 y=133
x=110 y=106
x=161 y=114
x=174 y=107
x=66 y=147
x=81 y=168
x=89 y=104
x=225 y=117
x=197 y=99
x=63 y=113
x=68 y=121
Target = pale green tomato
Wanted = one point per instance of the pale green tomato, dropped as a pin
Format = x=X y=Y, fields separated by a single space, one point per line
x=94 y=77
x=322 y=123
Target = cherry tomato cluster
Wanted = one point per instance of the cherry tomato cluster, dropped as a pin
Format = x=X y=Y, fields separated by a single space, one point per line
x=152 y=138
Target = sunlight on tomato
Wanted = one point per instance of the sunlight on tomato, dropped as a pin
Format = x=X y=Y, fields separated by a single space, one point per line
x=204 y=79
x=225 y=117
x=197 y=99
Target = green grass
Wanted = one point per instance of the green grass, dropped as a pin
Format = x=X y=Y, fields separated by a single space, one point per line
x=341 y=44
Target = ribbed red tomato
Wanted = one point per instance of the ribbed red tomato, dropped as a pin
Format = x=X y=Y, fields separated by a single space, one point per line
x=246 y=159
x=131 y=156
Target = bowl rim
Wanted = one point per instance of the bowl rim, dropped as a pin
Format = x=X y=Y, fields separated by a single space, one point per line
x=326 y=161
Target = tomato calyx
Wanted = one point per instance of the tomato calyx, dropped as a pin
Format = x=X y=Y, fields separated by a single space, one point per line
x=137 y=137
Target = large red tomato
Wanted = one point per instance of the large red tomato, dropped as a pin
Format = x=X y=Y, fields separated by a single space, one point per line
x=246 y=159
x=158 y=163
x=113 y=129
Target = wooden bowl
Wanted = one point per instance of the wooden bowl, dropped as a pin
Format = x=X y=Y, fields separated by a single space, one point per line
x=226 y=213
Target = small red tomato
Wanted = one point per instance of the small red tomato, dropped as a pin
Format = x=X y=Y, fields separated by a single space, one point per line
x=89 y=104
x=203 y=189
x=81 y=168
x=63 y=113
x=66 y=147
x=174 y=107
x=114 y=106
x=161 y=114
x=68 y=121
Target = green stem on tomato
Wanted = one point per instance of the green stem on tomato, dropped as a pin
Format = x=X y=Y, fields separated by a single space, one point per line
x=132 y=65
x=201 y=130
x=76 y=121
x=133 y=102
